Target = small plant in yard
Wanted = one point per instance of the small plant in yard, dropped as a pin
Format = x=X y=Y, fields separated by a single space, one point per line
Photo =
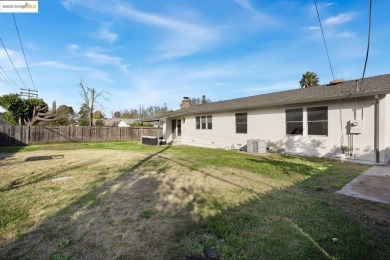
x=66 y=243
x=59 y=256
x=146 y=214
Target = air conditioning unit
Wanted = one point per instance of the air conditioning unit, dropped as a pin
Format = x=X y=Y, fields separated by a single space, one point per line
x=256 y=146
x=355 y=126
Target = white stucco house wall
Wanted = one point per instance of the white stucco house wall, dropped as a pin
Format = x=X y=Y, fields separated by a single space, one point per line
x=347 y=121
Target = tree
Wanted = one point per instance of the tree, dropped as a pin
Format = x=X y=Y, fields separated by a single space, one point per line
x=198 y=101
x=83 y=115
x=65 y=111
x=98 y=115
x=2 y=118
x=90 y=97
x=41 y=113
x=132 y=113
x=142 y=111
x=99 y=122
x=309 y=79
x=117 y=114
x=21 y=111
x=14 y=105
x=65 y=116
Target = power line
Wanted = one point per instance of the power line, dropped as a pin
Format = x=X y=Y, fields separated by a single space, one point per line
x=9 y=77
x=5 y=81
x=20 y=40
x=323 y=37
x=368 y=43
x=12 y=63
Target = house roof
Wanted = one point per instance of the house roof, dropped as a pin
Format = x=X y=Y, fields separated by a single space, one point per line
x=112 y=121
x=128 y=121
x=347 y=89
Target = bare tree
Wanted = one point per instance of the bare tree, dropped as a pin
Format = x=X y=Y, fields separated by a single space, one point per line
x=41 y=113
x=90 y=96
x=199 y=101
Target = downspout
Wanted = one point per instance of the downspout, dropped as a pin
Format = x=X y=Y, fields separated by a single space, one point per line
x=376 y=130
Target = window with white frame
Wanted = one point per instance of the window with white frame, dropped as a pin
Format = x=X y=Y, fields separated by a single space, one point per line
x=204 y=122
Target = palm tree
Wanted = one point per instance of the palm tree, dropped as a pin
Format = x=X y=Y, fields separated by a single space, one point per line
x=309 y=79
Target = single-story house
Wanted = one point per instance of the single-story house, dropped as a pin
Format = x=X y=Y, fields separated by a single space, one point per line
x=344 y=120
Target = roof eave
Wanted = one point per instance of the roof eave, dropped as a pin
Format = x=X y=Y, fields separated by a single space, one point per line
x=346 y=96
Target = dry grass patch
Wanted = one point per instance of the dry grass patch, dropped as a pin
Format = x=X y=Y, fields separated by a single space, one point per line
x=135 y=202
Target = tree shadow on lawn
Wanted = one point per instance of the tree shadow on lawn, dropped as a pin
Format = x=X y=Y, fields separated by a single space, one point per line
x=37 y=177
x=154 y=210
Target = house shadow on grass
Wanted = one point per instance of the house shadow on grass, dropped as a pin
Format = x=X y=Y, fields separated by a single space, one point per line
x=163 y=208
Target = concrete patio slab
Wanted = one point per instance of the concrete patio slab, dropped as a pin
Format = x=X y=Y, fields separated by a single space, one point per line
x=373 y=185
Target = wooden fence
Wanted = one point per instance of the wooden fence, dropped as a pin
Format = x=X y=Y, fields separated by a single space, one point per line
x=22 y=135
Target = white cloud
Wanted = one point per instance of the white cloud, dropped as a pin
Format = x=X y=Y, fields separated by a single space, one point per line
x=186 y=38
x=346 y=34
x=246 y=4
x=59 y=65
x=261 y=17
x=67 y=3
x=107 y=60
x=314 y=28
x=88 y=72
x=339 y=19
x=72 y=48
x=16 y=58
x=105 y=34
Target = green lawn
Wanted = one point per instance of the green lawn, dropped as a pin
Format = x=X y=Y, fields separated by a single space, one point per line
x=130 y=201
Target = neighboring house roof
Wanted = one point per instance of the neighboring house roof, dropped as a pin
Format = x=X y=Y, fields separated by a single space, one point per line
x=112 y=121
x=128 y=121
x=347 y=89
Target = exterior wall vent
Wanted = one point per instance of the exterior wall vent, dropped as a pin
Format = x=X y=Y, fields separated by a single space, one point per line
x=256 y=146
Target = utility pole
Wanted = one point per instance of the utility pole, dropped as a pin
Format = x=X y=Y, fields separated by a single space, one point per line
x=29 y=93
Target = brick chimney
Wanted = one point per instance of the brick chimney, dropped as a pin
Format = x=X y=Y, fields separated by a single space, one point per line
x=186 y=102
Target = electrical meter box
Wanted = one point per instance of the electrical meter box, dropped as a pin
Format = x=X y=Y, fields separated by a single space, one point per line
x=355 y=126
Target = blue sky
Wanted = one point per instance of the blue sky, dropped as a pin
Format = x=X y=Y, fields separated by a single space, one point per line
x=147 y=52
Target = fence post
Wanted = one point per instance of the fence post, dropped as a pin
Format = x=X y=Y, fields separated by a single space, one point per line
x=28 y=135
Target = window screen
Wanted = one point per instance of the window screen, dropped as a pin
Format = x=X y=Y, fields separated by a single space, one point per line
x=203 y=122
x=241 y=123
x=317 y=120
x=294 y=121
x=209 y=122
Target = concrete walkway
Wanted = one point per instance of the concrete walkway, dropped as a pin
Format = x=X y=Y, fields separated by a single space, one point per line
x=373 y=185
